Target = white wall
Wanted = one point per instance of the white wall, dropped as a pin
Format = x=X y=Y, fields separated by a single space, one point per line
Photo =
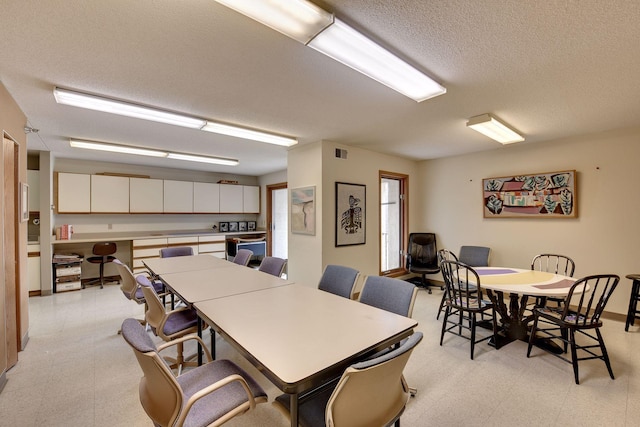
x=602 y=239
x=316 y=165
x=304 y=169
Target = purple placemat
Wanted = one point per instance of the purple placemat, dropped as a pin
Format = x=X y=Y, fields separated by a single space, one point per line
x=495 y=271
x=564 y=283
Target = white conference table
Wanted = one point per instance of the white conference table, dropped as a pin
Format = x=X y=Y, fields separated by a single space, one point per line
x=300 y=337
x=159 y=266
x=520 y=284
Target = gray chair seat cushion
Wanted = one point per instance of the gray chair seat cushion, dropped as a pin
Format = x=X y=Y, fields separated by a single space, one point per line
x=220 y=401
x=179 y=321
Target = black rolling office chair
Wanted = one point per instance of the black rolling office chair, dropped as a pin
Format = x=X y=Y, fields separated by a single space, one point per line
x=422 y=257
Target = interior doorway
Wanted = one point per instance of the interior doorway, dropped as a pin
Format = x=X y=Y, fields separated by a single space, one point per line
x=277 y=220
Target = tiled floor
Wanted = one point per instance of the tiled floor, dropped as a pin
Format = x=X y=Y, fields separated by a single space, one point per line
x=76 y=371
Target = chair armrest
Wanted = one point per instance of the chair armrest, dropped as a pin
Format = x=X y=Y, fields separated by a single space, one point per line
x=184 y=339
x=213 y=387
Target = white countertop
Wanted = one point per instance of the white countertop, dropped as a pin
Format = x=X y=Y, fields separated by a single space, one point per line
x=131 y=235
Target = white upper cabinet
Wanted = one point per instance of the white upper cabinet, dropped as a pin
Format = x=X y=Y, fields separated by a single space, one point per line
x=146 y=195
x=178 y=196
x=231 y=199
x=206 y=197
x=109 y=194
x=251 y=199
x=74 y=193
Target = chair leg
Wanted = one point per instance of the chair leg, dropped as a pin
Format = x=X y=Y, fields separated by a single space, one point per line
x=605 y=354
x=473 y=333
x=532 y=334
x=444 y=298
x=444 y=322
x=574 y=355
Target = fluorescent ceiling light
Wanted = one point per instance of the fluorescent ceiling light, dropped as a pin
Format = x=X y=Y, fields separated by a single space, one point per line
x=488 y=125
x=298 y=19
x=346 y=45
x=113 y=148
x=249 y=134
x=98 y=103
x=127 y=149
x=203 y=159
x=307 y=23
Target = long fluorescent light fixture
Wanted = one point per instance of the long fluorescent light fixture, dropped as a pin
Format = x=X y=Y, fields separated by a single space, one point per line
x=298 y=19
x=127 y=149
x=107 y=105
x=249 y=134
x=488 y=125
x=98 y=103
x=340 y=42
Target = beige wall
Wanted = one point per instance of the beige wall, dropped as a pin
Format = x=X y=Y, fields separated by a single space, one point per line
x=317 y=165
x=603 y=239
x=12 y=122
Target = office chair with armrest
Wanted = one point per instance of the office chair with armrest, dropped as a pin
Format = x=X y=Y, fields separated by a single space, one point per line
x=422 y=257
x=564 y=323
x=369 y=393
x=243 y=256
x=273 y=265
x=169 y=325
x=393 y=295
x=474 y=256
x=131 y=288
x=553 y=263
x=339 y=280
x=103 y=254
x=210 y=394
x=464 y=303
x=176 y=251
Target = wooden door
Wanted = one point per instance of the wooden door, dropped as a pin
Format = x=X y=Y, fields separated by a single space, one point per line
x=10 y=253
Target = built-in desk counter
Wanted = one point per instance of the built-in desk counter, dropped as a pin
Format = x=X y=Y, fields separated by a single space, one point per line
x=147 y=244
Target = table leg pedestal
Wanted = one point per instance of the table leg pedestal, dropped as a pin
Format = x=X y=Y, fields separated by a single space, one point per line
x=515 y=325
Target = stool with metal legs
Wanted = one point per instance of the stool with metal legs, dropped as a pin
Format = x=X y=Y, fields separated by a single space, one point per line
x=633 y=312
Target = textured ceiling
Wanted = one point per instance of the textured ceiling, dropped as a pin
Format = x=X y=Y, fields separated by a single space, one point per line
x=551 y=69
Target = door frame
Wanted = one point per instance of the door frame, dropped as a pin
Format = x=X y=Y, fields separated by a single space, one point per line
x=270 y=189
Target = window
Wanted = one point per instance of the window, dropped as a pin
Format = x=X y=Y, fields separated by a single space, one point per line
x=393 y=202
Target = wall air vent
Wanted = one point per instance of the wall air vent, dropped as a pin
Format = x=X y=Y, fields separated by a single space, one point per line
x=341 y=154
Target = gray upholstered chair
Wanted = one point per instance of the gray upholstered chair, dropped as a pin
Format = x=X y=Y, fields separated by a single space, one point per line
x=273 y=265
x=131 y=288
x=339 y=280
x=169 y=325
x=369 y=393
x=581 y=319
x=474 y=256
x=243 y=256
x=176 y=251
x=464 y=303
x=394 y=295
x=210 y=394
